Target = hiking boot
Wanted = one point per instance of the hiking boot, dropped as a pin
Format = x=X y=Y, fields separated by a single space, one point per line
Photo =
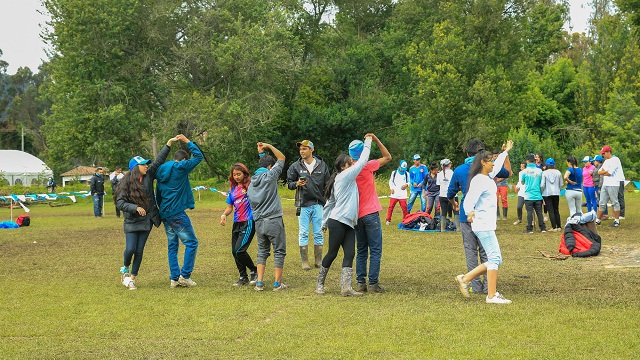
x=463 y=286
x=259 y=286
x=279 y=286
x=186 y=282
x=241 y=281
x=376 y=288
x=317 y=255
x=616 y=223
x=132 y=285
x=362 y=287
x=175 y=283
x=253 y=278
x=498 y=299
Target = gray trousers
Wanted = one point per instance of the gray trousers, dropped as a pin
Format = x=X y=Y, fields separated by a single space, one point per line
x=472 y=250
x=271 y=232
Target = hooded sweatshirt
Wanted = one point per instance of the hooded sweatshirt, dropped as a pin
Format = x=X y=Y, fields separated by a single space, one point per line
x=551 y=182
x=399 y=177
x=263 y=192
x=173 y=189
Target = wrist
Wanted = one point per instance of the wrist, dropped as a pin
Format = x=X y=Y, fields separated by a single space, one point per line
x=261 y=153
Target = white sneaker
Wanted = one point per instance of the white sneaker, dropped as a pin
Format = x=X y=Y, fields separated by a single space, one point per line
x=126 y=279
x=621 y=218
x=389 y=222
x=498 y=299
x=132 y=285
x=463 y=286
x=175 y=284
x=186 y=282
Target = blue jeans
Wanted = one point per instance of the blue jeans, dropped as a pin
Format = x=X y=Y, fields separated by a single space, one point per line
x=369 y=243
x=178 y=227
x=310 y=215
x=590 y=195
x=412 y=199
x=97 y=204
x=134 y=249
x=490 y=245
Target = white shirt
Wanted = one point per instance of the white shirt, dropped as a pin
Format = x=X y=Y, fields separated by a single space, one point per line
x=614 y=168
x=311 y=166
x=521 y=188
x=395 y=183
x=443 y=179
x=482 y=198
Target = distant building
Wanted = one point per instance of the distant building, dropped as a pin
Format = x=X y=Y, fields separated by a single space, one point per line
x=81 y=174
x=21 y=168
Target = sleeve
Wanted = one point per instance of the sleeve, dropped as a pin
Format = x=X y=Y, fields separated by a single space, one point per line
x=124 y=205
x=498 y=169
x=292 y=177
x=454 y=185
x=543 y=181
x=229 y=200
x=473 y=194
x=162 y=157
x=190 y=164
x=92 y=185
x=275 y=171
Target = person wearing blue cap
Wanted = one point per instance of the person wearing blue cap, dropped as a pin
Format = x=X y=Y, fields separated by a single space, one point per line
x=398 y=184
x=550 y=185
x=134 y=197
x=417 y=173
x=588 y=186
x=573 y=193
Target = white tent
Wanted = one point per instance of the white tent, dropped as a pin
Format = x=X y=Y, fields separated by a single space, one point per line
x=21 y=168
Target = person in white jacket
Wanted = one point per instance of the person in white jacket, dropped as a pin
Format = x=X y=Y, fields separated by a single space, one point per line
x=480 y=205
x=443 y=180
x=398 y=184
x=550 y=184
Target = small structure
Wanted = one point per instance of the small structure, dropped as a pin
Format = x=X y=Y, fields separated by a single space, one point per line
x=21 y=168
x=81 y=174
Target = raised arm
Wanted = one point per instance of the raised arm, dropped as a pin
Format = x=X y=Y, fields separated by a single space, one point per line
x=386 y=155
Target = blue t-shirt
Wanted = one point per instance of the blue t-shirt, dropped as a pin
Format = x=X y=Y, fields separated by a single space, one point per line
x=575 y=174
x=532 y=177
x=240 y=201
x=417 y=175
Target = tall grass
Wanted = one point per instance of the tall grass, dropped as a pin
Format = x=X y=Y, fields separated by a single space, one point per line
x=61 y=297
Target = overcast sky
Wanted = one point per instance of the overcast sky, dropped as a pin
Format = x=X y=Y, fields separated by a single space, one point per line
x=20 y=27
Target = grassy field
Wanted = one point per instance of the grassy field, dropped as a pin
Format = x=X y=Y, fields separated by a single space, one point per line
x=61 y=297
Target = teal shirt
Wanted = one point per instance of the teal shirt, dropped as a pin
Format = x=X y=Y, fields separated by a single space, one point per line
x=531 y=178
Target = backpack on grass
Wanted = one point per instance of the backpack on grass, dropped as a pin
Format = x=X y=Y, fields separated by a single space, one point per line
x=23 y=220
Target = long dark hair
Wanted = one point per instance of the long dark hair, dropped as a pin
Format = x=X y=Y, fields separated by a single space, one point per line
x=340 y=162
x=476 y=166
x=132 y=189
x=243 y=169
x=573 y=161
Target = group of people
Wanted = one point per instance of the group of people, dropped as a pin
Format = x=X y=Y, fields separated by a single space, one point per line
x=601 y=179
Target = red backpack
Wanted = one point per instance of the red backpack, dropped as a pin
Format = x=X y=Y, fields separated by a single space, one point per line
x=23 y=220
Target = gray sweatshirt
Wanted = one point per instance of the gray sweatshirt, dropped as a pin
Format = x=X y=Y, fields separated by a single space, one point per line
x=551 y=182
x=263 y=192
x=343 y=203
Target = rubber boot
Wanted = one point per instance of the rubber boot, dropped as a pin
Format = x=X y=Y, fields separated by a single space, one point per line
x=443 y=224
x=305 y=257
x=322 y=275
x=504 y=212
x=345 y=283
x=456 y=218
x=317 y=252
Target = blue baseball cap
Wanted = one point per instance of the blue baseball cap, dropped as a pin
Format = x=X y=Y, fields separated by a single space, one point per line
x=355 y=149
x=598 y=158
x=138 y=160
x=416 y=157
x=550 y=162
x=403 y=164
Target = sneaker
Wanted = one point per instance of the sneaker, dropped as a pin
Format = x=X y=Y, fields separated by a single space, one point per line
x=388 y=223
x=543 y=231
x=527 y=232
x=175 y=284
x=362 y=287
x=253 y=278
x=186 y=282
x=463 y=286
x=132 y=285
x=620 y=217
x=376 y=288
x=259 y=286
x=498 y=299
x=279 y=287
x=616 y=223
x=241 y=281
x=517 y=222
x=126 y=279
x=125 y=273
x=598 y=222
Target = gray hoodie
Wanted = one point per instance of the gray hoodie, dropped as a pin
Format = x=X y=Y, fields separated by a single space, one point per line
x=263 y=192
x=551 y=182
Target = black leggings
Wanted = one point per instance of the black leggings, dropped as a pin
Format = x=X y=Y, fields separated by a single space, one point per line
x=241 y=237
x=340 y=235
x=552 y=203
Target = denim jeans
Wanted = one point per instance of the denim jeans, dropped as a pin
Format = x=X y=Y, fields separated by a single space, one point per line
x=369 y=243
x=97 y=204
x=310 y=215
x=178 y=228
x=490 y=245
x=412 y=199
x=134 y=249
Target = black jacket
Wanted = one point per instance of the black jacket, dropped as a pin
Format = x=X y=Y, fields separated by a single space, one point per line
x=313 y=192
x=132 y=220
x=96 y=184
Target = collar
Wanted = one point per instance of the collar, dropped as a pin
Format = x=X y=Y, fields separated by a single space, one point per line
x=261 y=170
x=469 y=160
x=532 y=165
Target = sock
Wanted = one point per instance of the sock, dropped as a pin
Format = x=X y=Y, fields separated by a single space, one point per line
x=276 y=284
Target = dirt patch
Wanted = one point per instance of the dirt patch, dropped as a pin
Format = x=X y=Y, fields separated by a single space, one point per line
x=619 y=256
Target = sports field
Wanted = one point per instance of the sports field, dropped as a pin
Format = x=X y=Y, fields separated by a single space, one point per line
x=61 y=297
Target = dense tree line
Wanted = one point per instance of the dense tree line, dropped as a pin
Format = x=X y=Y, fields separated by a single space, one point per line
x=424 y=75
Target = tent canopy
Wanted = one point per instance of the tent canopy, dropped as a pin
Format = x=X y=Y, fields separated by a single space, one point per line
x=21 y=168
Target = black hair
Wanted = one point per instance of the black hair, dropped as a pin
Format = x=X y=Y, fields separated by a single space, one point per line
x=572 y=160
x=474 y=146
x=530 y=158
x=181 y=155
x=476 y=165
x=340 y=162
x=266 y=161
x=433 y=166
x=132 y=189
x=496 y=151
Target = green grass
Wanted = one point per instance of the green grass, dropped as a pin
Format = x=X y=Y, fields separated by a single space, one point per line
x=61 y=297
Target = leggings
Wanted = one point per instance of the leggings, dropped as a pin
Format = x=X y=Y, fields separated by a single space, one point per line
x=241 y=237
x=134 y=248
x=590 y=195
x=574 y=200
x=340 y=235
x=519 y=208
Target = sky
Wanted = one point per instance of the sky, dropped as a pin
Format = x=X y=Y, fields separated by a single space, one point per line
x=20 y=27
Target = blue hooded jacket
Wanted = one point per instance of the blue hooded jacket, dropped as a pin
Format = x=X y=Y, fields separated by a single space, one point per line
x=173 y=189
